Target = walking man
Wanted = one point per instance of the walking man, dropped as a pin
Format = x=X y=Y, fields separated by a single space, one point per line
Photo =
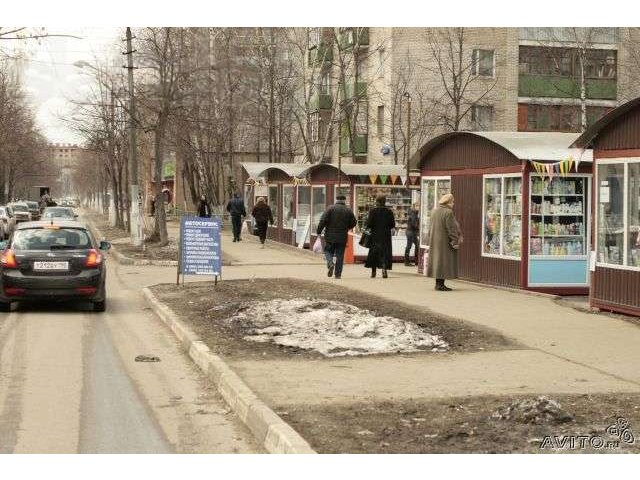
x=236 y=209
x=413 y=230
x=263 y=216
x=336 y=222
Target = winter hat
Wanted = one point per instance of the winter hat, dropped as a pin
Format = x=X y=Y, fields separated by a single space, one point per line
x=446 y=199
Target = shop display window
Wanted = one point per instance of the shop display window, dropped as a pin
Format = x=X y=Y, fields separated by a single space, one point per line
x=432 y=190
x=618 y=227
x=319 y=199
x=272 y=199
x=398 y=200
x=288 y=207
x=611 y=213
x=558 y=222
x=502 y=216
x=633 y=215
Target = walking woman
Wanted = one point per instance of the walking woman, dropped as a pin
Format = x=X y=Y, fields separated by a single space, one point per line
x=444 y=241
x=262 y=215
x=203 y=208
x=380 y=221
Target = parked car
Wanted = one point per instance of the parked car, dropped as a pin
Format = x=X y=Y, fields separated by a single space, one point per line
x=34 y=210
x=20 y=211
x=58 y=212
x=7 y=222
x=53 y=261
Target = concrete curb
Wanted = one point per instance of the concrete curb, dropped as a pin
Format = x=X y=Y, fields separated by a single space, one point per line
x=123 y=259
x=268 y=428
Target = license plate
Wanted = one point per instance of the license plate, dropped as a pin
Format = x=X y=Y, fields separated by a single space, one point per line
x=51 y=265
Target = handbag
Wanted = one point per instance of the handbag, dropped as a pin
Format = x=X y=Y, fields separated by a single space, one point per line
x=365 y=239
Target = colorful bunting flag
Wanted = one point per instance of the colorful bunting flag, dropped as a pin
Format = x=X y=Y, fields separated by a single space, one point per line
x=403 y=179
x=393 y=179
x=373 y=177
x=383 y=179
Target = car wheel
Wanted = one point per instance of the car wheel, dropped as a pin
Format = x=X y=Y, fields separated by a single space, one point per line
x=100 y=306
x=5 y=307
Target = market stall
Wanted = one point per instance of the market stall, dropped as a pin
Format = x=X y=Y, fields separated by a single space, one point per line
x=615 y=139
x=522 y=201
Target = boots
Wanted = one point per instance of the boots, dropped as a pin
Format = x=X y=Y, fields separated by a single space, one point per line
x=384 y=273
x=373 y=273
x=440 y=286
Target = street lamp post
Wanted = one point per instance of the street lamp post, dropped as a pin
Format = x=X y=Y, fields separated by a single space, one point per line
x=408 y=156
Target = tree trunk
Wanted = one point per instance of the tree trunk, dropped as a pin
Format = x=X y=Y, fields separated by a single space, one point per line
x=160 y=228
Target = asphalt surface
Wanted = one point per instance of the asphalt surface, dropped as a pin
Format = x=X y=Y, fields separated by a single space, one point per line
x=69 y=383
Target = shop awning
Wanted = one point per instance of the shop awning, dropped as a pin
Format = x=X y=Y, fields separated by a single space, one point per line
x=257 y=169
x=372 y=169
x=541 y=146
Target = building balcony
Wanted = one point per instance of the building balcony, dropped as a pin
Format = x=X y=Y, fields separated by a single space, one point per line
x=566 y=87
x=320 y=101
x=360 y=144
x=353 y=90
x=323 y=53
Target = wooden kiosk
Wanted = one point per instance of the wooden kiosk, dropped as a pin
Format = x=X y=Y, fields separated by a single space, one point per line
x=522 y=201
x=615 y=139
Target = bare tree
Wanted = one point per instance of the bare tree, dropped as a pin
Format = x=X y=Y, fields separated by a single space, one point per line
x=458 y=70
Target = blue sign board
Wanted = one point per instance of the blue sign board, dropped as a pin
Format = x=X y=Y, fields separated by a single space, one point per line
x=200 y=249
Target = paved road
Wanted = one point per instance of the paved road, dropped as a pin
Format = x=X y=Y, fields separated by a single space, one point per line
x=69 y=383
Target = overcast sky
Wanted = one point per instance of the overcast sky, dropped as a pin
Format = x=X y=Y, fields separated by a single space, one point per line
x=51 y=79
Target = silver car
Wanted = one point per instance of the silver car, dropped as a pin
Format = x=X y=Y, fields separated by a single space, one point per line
x=20 y=211
x=7 y=222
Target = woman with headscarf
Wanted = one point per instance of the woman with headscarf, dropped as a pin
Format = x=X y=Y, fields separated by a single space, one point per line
x=203 y=208
x=262 y=215
x=380 y=222
x=444 y=241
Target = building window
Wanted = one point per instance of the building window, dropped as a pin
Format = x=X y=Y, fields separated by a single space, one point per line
x=325 y=83
x=314 y=37
x=618 y=218
x=482 y=117
x=314 y=124
x=560 y=118
x=380 y=120
x=565 y=62
x=502 y=216
x=483 y=63
x=362 y=119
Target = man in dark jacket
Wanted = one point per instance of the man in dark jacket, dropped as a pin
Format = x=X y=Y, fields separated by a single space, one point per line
x=413 y=229
x=236 y=209
x=336 y=222
x=262 y=215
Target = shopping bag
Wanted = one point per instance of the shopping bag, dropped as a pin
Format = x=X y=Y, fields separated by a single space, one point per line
x=317 y=245
x=244 y=230
x=365 y=239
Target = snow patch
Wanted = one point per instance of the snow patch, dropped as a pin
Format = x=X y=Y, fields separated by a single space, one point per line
x=333 y=329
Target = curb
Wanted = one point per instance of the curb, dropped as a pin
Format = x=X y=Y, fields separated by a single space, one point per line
x=268 y=428
x=123 y=259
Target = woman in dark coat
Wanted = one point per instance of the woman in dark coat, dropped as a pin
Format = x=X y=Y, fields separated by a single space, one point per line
x=380 y=221
x=203 y=208
x=262 y=215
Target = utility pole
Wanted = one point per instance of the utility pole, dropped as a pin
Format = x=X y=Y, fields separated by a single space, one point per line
x=135 y=199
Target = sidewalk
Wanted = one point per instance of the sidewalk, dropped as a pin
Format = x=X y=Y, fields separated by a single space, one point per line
x=563 y=350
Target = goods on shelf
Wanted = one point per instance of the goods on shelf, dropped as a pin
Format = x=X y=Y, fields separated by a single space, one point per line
x=398 y=200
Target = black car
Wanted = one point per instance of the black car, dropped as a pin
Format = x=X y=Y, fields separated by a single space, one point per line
x=53 y=260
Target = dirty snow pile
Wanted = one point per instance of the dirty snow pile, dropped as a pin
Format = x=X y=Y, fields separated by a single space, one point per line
x=534 y=411
x=332 y=328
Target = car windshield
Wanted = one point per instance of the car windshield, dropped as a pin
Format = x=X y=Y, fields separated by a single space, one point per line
x=18 y=207
x=58 y=212
x=32 y=204
x=50 y=239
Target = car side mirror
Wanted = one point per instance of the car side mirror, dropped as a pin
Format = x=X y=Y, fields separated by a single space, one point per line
x=104 y=245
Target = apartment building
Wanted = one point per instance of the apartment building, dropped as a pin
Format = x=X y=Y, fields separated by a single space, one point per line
x=507 y=79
